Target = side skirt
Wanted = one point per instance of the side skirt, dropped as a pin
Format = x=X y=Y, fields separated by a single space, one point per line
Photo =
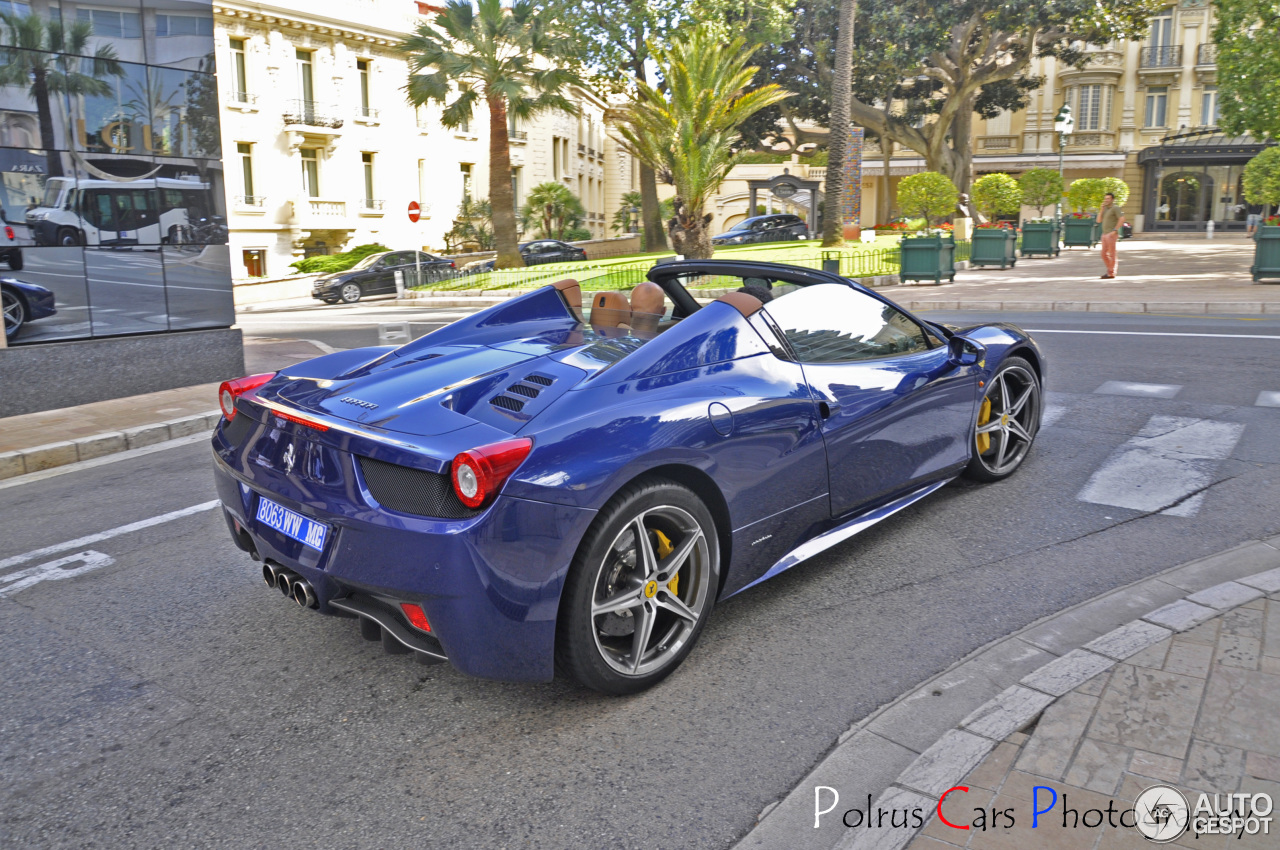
x=842 y=533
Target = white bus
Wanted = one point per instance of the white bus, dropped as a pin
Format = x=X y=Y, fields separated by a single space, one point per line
x=154 y=211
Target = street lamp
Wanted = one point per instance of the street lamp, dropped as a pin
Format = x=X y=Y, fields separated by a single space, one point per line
x=1063 y=124
x=633 y=219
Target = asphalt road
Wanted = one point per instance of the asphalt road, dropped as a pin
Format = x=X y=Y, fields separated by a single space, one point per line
x=160 y=695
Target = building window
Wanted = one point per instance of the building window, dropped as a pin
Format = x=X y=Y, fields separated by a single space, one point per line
x=465 y=167
x=555 y=158
x=306 y=82
x=109 y=23
x=1157 y=104
x=240 y=71
x=175 y=25
x=1161 y=34
x=515 y=189
x=1091 y=106
x=255 y=262
x=362 y=67
x=245 y=151
x=310 y=172
x=420 y=115
x=366 y=160
x=1209 y=106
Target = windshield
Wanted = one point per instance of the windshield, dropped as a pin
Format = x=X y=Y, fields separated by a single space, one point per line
x=368 y=261
x=745 y=224
x=51 y=193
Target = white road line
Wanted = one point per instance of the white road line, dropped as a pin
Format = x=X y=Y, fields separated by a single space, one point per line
x=1149 y=333
x=32 y=477
x=79 y=542
x=54 y=571
x=1133 y=388
x=1052 y=413
x=1268 y=398
x=1168 y=460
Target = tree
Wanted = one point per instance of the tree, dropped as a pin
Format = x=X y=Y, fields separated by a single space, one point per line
x=1248 y=66
x=624 y=217
x=1041 y=187
x=553 y=208
x=615 y=44
x=997 y=194
x=473 y=224
x=929 y=195
x=517 y=60
x=837 y=149
x=30 y=58
x=1086 y=193
x=1262 y=178
x=690 y=129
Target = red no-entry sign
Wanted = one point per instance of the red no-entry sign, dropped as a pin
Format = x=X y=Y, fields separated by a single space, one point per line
x=415 y=211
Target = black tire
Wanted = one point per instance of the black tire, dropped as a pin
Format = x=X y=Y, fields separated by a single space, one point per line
x=350 y=293
x=15 y=260
x=593 y=648
x=1016 y=424
x=329 y=300
x=15 y=313
x=69 y=237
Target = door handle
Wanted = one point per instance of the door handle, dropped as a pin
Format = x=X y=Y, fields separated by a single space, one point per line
x=827 y=409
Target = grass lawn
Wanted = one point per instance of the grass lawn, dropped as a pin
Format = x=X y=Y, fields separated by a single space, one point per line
x=626 y=271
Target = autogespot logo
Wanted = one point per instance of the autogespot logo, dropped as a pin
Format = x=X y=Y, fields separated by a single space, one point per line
x=1161 y=813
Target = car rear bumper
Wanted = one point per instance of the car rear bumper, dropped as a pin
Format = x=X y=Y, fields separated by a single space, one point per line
x=489 y=584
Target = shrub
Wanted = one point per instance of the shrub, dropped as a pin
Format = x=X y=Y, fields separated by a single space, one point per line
x=1041 y=187
x=330 y=263
x=577 y=234
x=1262 y=178
x=997 y=194
x=929 y=195
x=1085 y=194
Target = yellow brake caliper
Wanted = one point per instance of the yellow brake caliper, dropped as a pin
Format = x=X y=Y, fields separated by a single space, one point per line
x=984 y=416
x=663 y=550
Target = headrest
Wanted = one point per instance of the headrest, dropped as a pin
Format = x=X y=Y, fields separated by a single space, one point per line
x=648 y=297
x=571 y=293
x=610 y=310
x=747 y=305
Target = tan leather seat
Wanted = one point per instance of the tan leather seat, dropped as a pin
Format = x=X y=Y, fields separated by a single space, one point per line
x=648 y=305
x=610 y=310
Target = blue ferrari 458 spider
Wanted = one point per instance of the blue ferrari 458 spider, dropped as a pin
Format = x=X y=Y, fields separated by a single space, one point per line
x=540 y=487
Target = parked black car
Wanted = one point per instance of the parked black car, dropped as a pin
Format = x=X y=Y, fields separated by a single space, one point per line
x=544 y=251
x=23 y=302
x=376 y=275
x=782 y=227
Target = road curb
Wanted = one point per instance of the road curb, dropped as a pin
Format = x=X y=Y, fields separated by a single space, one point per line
x=50 y=455
x=916 y=766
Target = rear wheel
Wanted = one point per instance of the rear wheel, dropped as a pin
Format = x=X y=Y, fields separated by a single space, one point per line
x=1008 y=421
x=640 y=589
x=350 y=292
x=69 y=236
x=15 y=260
x=15 y=313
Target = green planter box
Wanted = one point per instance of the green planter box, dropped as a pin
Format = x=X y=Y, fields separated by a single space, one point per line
x=1266 y=254
x=1041 y=237
x=928 y=258
x=1080 y=232
x=994 y=246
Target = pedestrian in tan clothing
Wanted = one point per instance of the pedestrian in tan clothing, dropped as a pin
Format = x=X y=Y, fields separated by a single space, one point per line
x=1111 y=219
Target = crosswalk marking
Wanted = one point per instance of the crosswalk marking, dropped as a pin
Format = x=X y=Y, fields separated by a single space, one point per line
x=1052 y=413
x=1140 y=390
x=1169 y=460
x=1268 y=398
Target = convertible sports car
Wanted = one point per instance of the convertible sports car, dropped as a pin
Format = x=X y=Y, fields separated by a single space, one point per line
x=531 y=489
x=23 y=302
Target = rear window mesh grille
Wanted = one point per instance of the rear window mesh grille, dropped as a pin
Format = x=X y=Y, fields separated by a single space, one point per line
x=413 y=491
x=506 y=402
x=540 y=379
x=524 y=390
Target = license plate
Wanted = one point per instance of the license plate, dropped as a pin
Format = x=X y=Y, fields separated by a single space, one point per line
x=308 y=532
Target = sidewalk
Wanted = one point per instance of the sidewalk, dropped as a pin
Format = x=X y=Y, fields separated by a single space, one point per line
x=1174 y=679
x=38 y=441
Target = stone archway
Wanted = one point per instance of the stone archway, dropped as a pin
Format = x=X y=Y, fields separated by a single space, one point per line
x=786 y=185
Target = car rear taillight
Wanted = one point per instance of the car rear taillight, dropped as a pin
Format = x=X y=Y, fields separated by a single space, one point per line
x=232 y=390
x=8 y=231
x=452 y=264
x=417 y=617
x=479 y=473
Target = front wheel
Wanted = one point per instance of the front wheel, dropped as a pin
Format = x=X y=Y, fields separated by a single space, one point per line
x=15 y=260
x=15 y=313
x=350 y=293
x=1008 y=421
x=640 y=589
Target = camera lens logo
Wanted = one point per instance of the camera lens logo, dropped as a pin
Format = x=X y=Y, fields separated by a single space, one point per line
x=1161 y=813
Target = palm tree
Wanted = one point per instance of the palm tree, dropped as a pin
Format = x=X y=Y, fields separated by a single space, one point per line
x=553 y=208
x=841 y=91
x=491 y=54
x=690 y=129
x=30 y=57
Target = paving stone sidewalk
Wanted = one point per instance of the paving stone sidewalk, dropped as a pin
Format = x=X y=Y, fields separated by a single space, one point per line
x=1199 y=711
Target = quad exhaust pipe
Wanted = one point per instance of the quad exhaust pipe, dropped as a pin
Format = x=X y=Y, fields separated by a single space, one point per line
x=290 y=584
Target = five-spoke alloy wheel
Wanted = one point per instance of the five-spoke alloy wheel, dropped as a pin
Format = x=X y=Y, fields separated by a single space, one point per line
x=1008 y=420
x=350 y=293
x=15 y=313
x=640 y=589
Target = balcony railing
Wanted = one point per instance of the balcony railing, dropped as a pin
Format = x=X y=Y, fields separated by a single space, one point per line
x=250 y=200
x=371 y=204
x=312 y=114
x=1165 y=56
x=591 y=152
x=1207 y=54
x=518 y=135
x=582 y=148
x=367 y=113
x=327 y=209
x=243 y=98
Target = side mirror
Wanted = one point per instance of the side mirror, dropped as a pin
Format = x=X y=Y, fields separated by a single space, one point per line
x=965 y=352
